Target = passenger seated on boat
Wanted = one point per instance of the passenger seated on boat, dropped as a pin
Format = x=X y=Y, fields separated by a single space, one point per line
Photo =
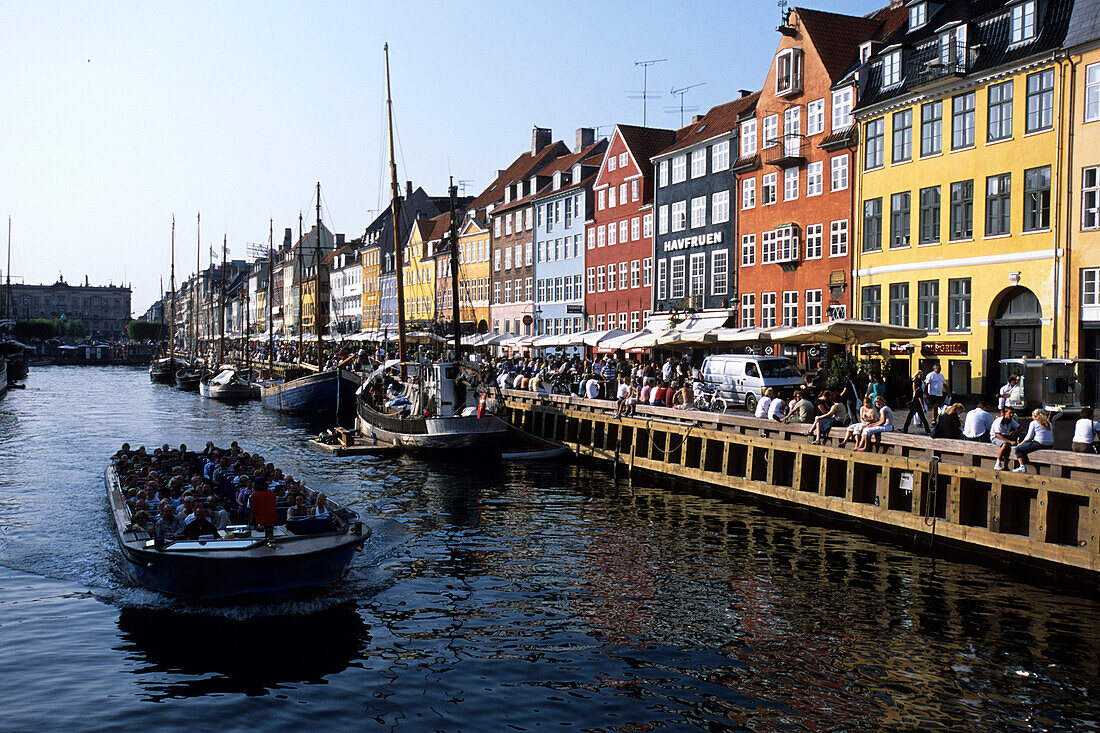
x=186 y=507
x=200 y=526
x=321 y=510
x=123 y=452
x=168 y=524
x=300 y=510
x=218 y=516
x=243 y=495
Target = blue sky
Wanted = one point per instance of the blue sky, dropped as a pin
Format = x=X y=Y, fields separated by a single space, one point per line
x=119 y=114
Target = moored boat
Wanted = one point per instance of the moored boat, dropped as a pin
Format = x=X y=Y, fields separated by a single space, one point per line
x=163 y=371
x=328 y=391
x=188 y=378
x=3 y=376
x=228 y=386
x=15 y=354
x=242 y=562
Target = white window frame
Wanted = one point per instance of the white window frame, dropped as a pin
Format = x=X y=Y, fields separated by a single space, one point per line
x=891 y=69
x=647 y=272
x=790 y=308
x=1090 y=197
x=697 y=274
x=748 y=310
x=1022 y=24
x=698 y=163
x=748 y=193
x=677 y=283
x=678 y=216
x=767 y=310
x=635 y=229
x=838 y=172
x=815 y=175
x=838 y=238
x=770 y=132
x=679 y=168
x=720 y=207
x=698 y=212
x=791 y=178
x=1092 y=92
x=719 y=272
x=814 y=241
x=748 y=250
x=720 y=156
x=748 y=138
x=842 y=109
x=815 y=117
x=662 y=173
x=647 y=226
x=662 y=219
x=769 y=192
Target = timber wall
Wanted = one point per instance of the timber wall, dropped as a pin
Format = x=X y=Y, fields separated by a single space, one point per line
x=941 y=488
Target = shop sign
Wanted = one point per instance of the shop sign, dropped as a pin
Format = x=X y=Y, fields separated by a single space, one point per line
x=901 y=348
x=872 y=349
x=700 y=240
x=943 y=348
x=791 y=351
x=576 y=308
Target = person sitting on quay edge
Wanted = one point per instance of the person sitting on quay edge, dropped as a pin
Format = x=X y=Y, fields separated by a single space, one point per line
x=628 y=398
x=884 y=424
x=978 y=422
x=1038 y=436
x=1085 y=431
x=949 y=425
x=778 y=409
x=684 y=399
x=661 y=396
x=1003 y=434
x=802 y=410
x=835 y=414
x=764 y=404
x=201 y=526
x=868 y=415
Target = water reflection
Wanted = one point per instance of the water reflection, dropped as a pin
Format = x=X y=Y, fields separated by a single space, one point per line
x=185 y=655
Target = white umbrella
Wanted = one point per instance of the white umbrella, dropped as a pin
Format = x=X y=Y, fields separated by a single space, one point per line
x=846 y=331
x=741 y=335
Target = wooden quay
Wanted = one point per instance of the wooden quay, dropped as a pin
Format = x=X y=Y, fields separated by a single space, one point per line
x=935 y=489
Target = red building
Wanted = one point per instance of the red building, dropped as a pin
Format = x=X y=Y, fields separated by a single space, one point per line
x=795 y=172
x=619 y=239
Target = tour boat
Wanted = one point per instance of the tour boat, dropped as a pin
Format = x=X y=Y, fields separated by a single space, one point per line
x=301 y=554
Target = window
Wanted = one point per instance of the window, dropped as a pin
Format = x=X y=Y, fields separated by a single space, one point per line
x=790 y=308
x=496 y=227
x=899 y=304
x=790 y=184
x=748 y=310
x=1092 y=92
x=698 y=212
x=958 y=304
x=699 y=163
x=748 y=250
x=842 y=109
x=962 y=121
x=528 y=286
x=528 y=253
x=1037 y=199
x=838 y=238
x=788 y=71
x=591 y=239
x=899 y=219
x=635 y=273
x=771 y=131
x=903 y=136
x=792 y=129
x=748 y=138
x=748 y=193
x=623 y=234
x=635 y=229
x=998 y=204
x=1090 y=198
x=601 y=237
x=662 y=173
x=814 y=240
x=720 y=156
x=928 y=305
x=839 y=172
x=814 y=176
x=929 y=215
x=508 y=222
x=872 y=225
x=767 y=310
x=815 y=117
x=1000 y=112
x=872 y=303
x=634 y=189
x=719 y=272
x=662 y=219
x=662 y=279
x=767 y=189
x=622 y=160
x=677 y=289
x=634 y=323
x=611 y=197
x=600 y=279
x=647 y=272
x=612 y=234
x=679 y=168
x=872 y=156
x=647 y=225
x=1040 y=101
x=918 y=15
x=962 y=210
x=679 y=216
x=891 y=69
x=1023 y=22
x=698 y=274
x=622 y=194
x=720 y=207
x=601 y=199
x=612 y=162
x=931 y=128
x=623 y=275
x=1090 y=287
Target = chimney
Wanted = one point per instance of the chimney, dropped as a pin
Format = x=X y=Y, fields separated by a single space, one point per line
x=287 y=237
x=408 y=189
x=339 y=241
x=85 y=281
x=585 y=137
x=696 y=118
x=744 y=92
x=500 y=172
x=540 y=138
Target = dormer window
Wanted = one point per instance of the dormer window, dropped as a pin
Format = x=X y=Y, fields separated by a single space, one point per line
x=557 y=180
x=953 y=49
x=891 y=68
x=788 y=72
x=918 y=15
x=1023 y=22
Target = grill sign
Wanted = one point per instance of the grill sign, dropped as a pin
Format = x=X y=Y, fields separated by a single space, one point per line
x=943 y=348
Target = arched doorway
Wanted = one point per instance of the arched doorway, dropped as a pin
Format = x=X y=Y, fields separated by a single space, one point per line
x=1015 y=326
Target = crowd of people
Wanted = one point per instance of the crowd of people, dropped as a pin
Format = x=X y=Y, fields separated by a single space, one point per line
x=177 y=493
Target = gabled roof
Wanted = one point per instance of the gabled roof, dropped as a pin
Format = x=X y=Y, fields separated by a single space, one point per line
x=440 y=225
x=521 y=168
x=837 y=37
x=716 y=121
x=645 y=142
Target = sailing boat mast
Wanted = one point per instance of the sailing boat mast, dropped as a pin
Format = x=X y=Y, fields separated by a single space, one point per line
x=317 y=283
x=172 y=284
x=195 y=289
x=270 y=298
x=396 y=203
x=9 y=302
x=221 y=317
x=298 y=259
x=456 y=312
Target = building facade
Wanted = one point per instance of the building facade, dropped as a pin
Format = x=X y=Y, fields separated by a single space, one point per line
x=346 y=290
x=103 y=309
x=619 y=237
x=959 y=165
x=475 y=277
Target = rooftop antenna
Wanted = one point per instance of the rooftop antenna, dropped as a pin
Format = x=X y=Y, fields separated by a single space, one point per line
x=784 y=14
x=681 y=92
x=462 y=184
x=645 y=85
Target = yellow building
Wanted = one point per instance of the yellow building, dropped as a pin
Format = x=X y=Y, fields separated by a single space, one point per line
x=371 y=280
x=1082 y=217
x=418 y=273
x=310 y=284
x=473 y=259
x=958 y=158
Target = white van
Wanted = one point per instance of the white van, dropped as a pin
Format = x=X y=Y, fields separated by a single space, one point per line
x=742 y=378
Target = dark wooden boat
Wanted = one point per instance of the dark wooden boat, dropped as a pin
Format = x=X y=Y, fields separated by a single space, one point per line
x=188 y=378
x=328 y=391
x=163 y=371
x=228 y=386
x=309 y=554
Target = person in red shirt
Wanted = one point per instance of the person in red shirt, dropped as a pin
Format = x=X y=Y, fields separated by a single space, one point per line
x=261 y=505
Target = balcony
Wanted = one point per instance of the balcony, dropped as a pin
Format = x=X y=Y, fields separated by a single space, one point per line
x=787 y=151
x=946 y=63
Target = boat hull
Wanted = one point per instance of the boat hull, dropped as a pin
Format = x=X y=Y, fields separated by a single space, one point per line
x=3 y=377
x=163 y=371
x=226 y=392
x=188 y=380
x=432 y=434
x=330 y=391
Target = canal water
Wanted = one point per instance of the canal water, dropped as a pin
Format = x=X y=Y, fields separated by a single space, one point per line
x=502 y=597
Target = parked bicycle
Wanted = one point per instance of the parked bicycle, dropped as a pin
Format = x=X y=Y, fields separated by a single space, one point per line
x=709 y=400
